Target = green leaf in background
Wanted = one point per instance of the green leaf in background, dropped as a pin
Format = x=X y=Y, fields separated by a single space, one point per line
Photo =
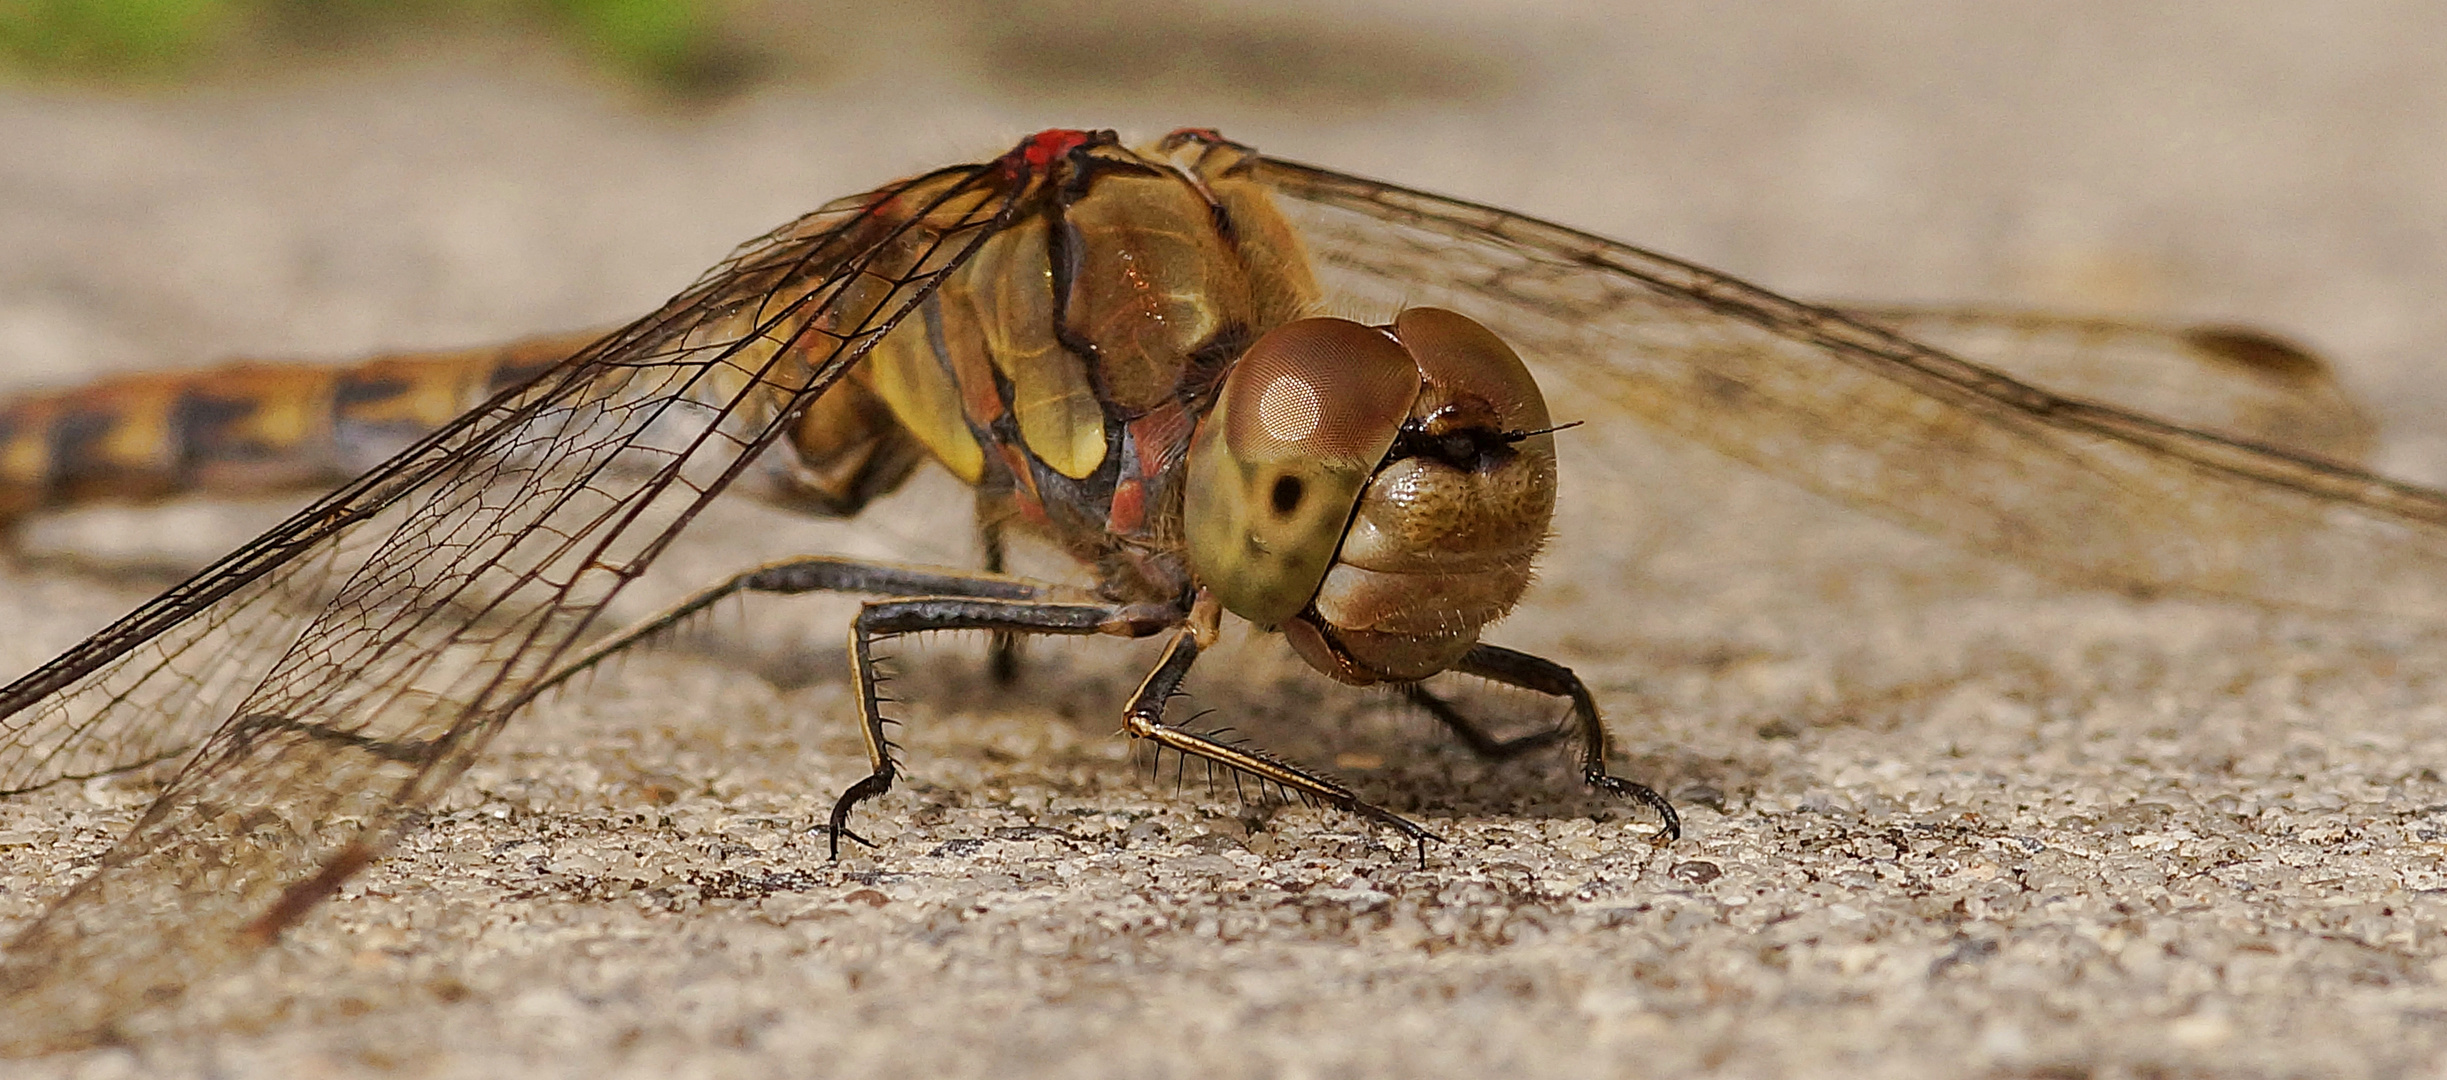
x=670 y=42
x=106 y=37
x=661 y=37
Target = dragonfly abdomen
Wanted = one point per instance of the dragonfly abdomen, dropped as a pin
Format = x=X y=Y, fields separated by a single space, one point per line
x=244 y=427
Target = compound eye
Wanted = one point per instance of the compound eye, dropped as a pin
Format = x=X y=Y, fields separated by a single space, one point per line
x=1470 y=371
x=1278 y=465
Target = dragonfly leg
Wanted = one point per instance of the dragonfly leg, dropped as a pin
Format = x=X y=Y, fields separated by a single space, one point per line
x=1002 y=646
x=881 y=619
x=1144 y=719
x=820 y=573
x=1501 y=665
x=1476 y=738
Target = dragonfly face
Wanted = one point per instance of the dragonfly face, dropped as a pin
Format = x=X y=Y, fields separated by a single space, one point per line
x=1378 y=493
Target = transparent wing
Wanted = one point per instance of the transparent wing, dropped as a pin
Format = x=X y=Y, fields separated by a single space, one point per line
x=2234 y=381
x=1855 y=412
x=349 y=664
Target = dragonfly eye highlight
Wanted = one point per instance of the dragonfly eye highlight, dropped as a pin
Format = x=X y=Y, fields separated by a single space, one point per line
x=1301 y=422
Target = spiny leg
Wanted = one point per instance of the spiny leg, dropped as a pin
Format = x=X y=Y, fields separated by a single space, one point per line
x=890 y=618
x=1144 y=719
x=818 y=573
x=1495 y=663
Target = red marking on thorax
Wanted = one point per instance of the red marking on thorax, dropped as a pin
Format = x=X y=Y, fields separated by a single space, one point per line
x=1037 y=153
x=1156 y=441
x=1161 y=437
x=1128 y=511
x=1024 y=495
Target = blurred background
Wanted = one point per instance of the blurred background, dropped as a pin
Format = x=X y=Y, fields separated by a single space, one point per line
x=682 y=45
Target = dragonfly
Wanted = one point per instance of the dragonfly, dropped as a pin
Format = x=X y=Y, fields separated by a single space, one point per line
x=1224 y=383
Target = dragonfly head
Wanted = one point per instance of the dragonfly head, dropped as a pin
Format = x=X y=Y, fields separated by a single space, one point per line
x=1378 y=493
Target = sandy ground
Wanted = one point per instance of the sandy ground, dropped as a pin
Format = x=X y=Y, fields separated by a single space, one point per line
x=1943 y=817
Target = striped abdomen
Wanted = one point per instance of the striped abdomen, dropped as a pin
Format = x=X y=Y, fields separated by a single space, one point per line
x=244 y=427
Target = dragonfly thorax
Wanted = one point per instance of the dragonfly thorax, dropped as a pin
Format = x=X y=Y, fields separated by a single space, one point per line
x=1379 y=494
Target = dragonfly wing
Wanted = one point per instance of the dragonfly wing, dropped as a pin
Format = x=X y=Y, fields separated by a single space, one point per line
x=345 y=667
x=2234 y=381
x=162 y=692
x=1878 y=421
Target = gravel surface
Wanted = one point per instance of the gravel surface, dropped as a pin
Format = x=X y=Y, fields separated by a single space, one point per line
x=1943 y=817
